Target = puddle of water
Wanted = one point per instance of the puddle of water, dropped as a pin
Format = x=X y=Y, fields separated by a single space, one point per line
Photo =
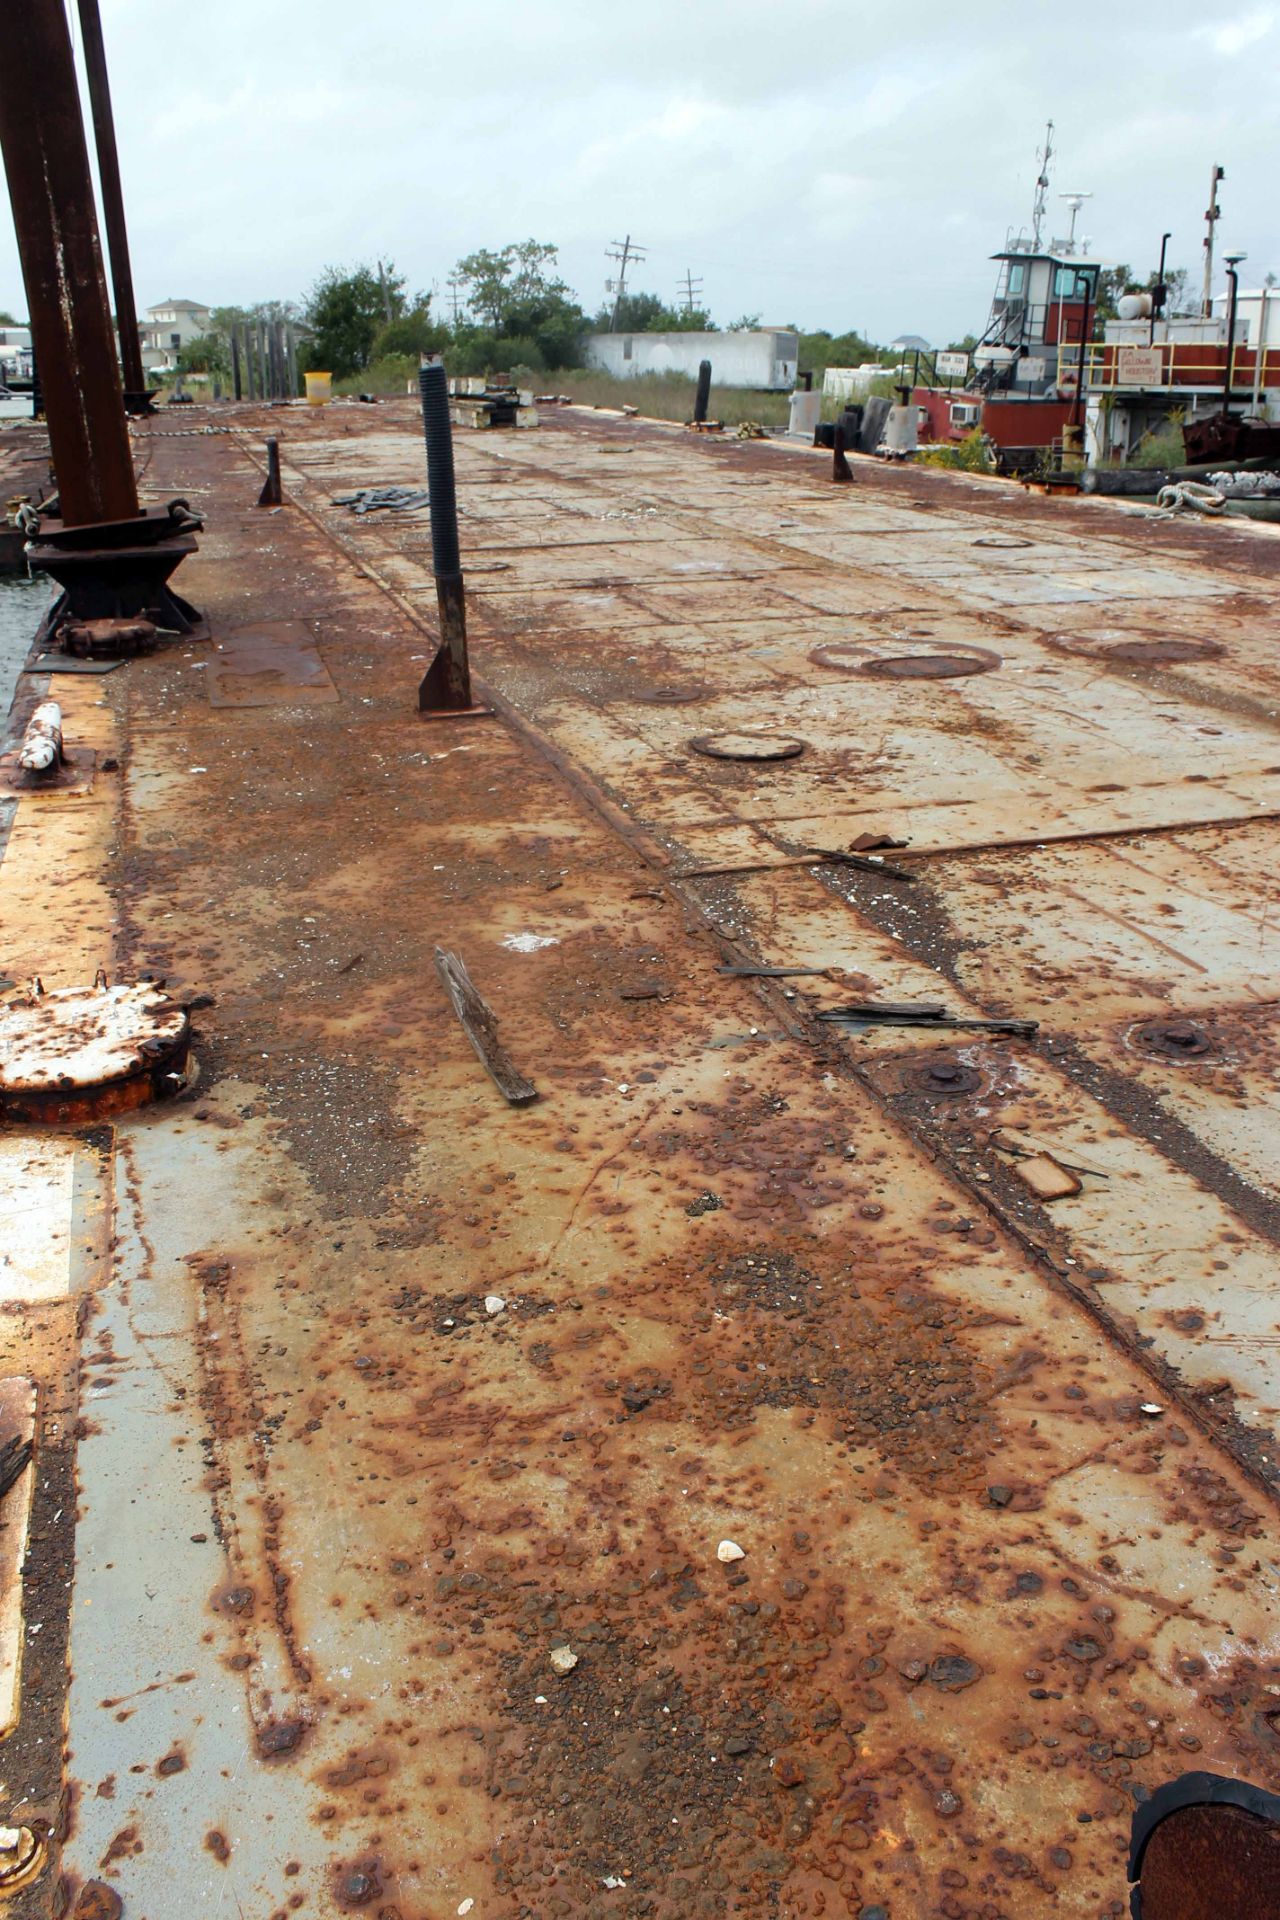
x=22 y=603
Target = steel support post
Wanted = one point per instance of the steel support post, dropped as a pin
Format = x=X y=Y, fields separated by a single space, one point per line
x=46 y=163
x=702 y=397
x=446 y=685
x=104 y=134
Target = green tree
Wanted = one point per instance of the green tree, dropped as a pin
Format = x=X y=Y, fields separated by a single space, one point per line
x=414 y=332
x=516 y=295
x=821 y=350
x=207 y=353
x=747 y=323
x=7 y=319
x=346 y=310
x=646 y=313
x=1112 y=282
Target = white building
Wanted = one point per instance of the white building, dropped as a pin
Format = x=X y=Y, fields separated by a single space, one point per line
x=169 y=327
x=1257 y=315
x=15 y=354
x=764 y=360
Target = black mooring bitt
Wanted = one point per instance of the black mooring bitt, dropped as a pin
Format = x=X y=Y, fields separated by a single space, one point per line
x=272 y=495
x=702 y=398
x=840 y=468
x=446 y=685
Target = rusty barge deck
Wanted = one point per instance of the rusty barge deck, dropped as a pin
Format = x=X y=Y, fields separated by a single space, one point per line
x=359 y=1393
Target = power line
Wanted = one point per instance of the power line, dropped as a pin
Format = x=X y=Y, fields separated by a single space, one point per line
x=622 y=251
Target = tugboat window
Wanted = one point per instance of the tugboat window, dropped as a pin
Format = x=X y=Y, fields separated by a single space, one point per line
x=1017 y=276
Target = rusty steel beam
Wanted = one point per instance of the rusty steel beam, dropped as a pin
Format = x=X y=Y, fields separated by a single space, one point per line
x=446 y=685
x=104 y=134
x=47 y=166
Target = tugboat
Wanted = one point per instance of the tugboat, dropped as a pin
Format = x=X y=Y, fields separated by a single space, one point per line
x=1023 y=386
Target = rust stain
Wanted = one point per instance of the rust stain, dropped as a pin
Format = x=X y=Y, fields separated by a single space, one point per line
x=755 y=1280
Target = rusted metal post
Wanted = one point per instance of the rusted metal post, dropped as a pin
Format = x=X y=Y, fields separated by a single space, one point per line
x=104 y=134
x=840 y=468
x=447 y=681
x=702 y=397
x=47 y=165
x=272 y=495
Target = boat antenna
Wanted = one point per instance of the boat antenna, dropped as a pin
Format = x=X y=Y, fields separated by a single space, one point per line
x=1042 y=186
x=1075 y=201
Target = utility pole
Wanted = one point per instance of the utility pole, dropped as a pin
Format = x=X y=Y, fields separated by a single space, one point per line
x=622 y=251
x=104 y=133
x=692 y=291
x=1212 y=216
x=453 y=283
x=386 y=293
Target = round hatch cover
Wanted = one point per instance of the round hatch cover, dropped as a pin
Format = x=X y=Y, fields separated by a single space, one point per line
x=1168 y=651
x=932 y=666
x=944 y=1074
x=748 y=746
x=83 y=1052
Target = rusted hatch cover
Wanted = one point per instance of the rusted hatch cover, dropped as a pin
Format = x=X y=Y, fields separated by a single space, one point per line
x=859 y=657
x=1206 y=1847
x=931 y=666
x=748 y=746
x=83 y=1052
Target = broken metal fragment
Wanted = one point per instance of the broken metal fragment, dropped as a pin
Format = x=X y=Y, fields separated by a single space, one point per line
x=1047 y=1179
x=480 y=1024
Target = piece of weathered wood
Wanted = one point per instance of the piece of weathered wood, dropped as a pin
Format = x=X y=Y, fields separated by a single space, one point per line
x=480 y=1024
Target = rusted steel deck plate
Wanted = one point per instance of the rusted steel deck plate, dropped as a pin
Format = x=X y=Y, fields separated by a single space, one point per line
x=749 y=1292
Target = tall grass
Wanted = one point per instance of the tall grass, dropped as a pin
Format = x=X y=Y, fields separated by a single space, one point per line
x=666 y=396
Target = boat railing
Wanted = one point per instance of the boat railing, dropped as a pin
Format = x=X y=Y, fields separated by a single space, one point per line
x=1114 y=366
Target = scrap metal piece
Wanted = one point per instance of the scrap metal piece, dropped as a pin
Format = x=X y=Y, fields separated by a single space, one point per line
x=480 y=1024
x=84 y=1052
x=748 y=745
x=898 y=1010
x=863 y=862
x=1047 y=1178
x=773 y=973
x=867 y=1014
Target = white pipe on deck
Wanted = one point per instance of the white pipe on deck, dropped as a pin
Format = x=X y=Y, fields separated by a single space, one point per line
x=42 y=742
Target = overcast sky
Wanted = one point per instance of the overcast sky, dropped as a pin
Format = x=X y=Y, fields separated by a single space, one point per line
x=821 y=162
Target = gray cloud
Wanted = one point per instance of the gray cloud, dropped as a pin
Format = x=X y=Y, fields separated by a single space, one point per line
x=833 y=164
